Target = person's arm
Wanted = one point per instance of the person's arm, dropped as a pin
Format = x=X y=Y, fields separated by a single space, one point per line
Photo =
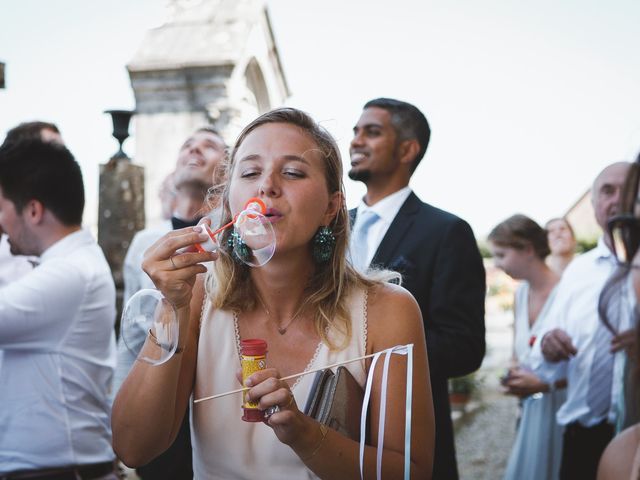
x=455 y=337
x=329 y=454
x=619 y=460
x=37 y=310
x=152 y=401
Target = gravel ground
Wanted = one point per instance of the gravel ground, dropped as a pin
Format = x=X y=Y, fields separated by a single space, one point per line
x=484 y=440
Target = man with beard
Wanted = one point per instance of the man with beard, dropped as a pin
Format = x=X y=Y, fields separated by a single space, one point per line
x=13 y=267
x=435 y=252
x=196 y=166
x=56 y=323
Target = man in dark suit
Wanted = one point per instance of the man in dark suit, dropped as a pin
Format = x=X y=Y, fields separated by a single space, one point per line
x=435 y=252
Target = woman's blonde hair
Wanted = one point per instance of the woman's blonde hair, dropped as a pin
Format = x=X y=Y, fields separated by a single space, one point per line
x=229 y=284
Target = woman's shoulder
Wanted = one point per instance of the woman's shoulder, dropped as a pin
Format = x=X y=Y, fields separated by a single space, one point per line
x=619 y=458
x=393 y=313
x=389 y=296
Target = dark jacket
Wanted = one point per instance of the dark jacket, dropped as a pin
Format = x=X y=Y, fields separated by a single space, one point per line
x=438 y=257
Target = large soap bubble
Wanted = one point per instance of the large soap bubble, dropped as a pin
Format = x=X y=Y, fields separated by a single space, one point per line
x=149 y=326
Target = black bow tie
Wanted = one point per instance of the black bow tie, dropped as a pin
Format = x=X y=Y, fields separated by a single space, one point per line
x=178 y=223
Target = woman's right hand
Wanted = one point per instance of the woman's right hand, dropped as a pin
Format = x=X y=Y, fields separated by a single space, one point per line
x=522 y=382
x=172 y=273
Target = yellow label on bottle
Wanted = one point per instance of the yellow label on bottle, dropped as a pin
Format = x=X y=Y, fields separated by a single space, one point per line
x=251 y=365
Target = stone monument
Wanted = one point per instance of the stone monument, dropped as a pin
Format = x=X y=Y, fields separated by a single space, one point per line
x=212 y=62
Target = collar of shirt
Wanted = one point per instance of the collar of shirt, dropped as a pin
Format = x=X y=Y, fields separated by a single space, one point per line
x=388 y=207
x=603 y=252
x=67 y=245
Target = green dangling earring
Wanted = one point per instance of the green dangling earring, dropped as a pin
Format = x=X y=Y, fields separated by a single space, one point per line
x=324 y=242
x=240 y=250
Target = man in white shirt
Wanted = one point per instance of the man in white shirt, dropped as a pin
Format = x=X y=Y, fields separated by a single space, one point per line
x=56 y=323
x=574 y=343
x=13 y=267
x=196 y=172
x=434 y=250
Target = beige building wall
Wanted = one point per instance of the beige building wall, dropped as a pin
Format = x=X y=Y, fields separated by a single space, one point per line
x=582 y=218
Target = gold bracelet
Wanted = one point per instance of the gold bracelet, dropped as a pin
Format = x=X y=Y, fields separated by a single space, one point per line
x=163 y=346
x=323 y=432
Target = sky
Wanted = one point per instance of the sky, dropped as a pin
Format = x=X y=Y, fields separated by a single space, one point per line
x=527 y=101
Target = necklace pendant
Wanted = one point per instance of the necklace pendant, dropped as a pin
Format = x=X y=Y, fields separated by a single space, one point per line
x=282 y=330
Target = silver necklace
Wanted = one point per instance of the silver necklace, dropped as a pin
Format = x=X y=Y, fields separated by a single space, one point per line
x=281 y=329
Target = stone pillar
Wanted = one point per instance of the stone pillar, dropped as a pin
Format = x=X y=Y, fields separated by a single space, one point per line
x=2 y=75
x=120 y=204
x=212 y=62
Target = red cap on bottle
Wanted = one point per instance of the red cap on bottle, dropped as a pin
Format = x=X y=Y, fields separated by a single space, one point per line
x=253 y=347
x=252 y=415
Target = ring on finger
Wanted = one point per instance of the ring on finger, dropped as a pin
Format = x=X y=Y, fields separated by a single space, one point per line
x=271 y=410
x=171 y=260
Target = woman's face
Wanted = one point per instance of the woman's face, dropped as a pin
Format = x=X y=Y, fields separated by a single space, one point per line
x=512 y=261
x=282 y=165
x=561 y=241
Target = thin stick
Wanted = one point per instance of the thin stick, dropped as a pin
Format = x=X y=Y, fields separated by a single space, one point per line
x=295 y=375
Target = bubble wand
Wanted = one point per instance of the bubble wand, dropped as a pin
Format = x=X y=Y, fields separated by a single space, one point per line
x=211 y=245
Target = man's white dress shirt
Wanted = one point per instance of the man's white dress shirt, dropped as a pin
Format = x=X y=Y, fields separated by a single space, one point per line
x=12 y=267
x=575 y=310
x=386 y=209
x=56 y=332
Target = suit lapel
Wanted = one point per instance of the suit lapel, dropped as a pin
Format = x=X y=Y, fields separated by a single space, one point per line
x=397 y=230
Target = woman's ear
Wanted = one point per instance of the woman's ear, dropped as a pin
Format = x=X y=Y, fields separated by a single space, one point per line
x=335 y=203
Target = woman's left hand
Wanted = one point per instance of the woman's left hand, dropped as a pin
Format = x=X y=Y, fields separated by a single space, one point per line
x=523 y=382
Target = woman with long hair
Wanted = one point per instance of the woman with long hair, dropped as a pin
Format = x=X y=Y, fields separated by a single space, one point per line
x=310 y=306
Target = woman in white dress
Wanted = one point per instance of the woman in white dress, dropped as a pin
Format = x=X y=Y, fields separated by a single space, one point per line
x=307 y=303
x=519 y=246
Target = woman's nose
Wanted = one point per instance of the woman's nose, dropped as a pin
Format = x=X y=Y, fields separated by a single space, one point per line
x=270 y=186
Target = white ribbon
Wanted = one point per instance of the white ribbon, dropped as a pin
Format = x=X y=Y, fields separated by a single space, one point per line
x=401 y=350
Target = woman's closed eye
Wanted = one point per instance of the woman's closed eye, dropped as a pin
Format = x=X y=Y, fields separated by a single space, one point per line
x=290 y=172
x=250 y=173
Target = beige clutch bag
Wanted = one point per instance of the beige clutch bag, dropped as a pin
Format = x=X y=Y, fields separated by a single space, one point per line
x=335 y=400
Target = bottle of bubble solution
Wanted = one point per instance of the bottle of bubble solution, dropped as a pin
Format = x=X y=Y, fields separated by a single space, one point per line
x=253 y=353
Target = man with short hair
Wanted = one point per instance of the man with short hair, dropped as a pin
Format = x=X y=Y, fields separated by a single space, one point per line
x=435 y=252
x=574 y=344
x=56 y=323
x=36 y=130
x=13 y=267
x=196 y=172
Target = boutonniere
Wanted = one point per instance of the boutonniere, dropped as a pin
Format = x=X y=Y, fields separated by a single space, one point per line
x=532 y=340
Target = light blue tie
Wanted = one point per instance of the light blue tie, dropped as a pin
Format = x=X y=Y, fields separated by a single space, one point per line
x=601 y=374
x=359 y=241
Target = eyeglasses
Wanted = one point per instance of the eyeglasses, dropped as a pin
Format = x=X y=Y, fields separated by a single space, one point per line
x=624 y=231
